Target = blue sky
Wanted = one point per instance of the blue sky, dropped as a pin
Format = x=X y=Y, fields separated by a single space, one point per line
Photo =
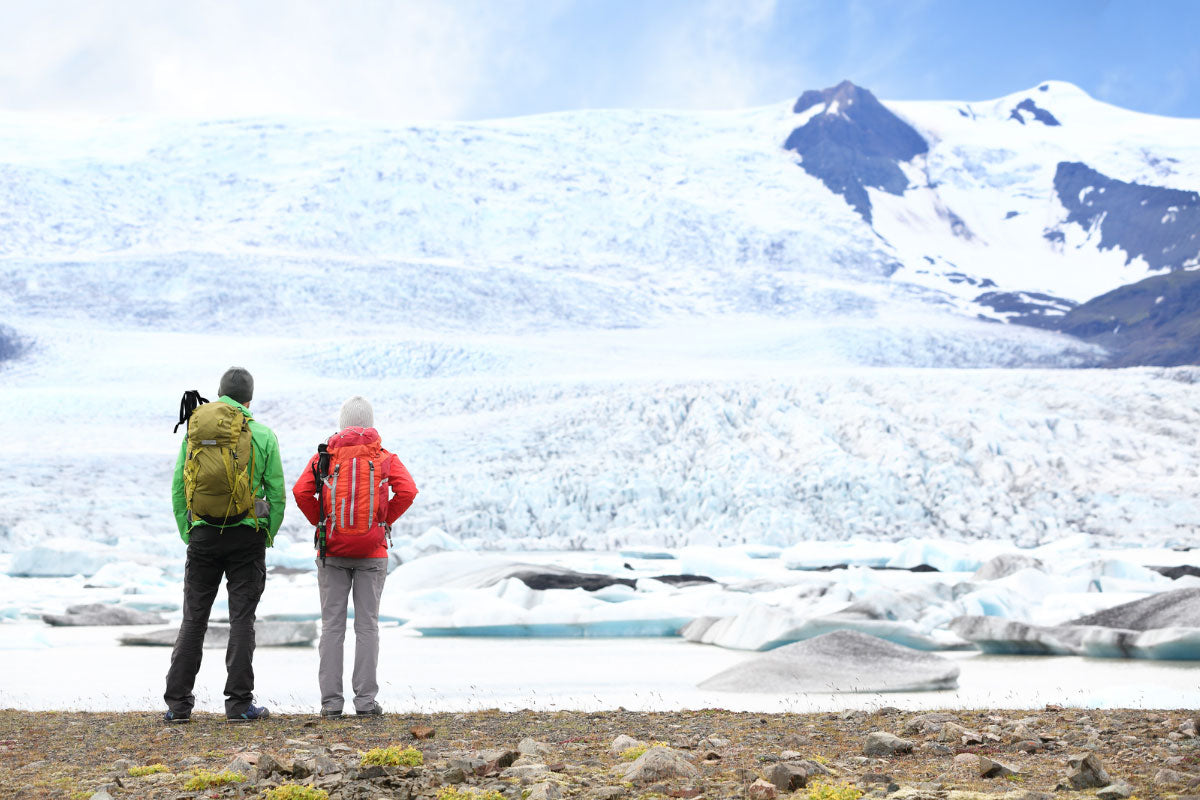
x=471 y=59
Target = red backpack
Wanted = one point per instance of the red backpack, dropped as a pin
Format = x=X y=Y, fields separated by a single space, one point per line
x=354 y=495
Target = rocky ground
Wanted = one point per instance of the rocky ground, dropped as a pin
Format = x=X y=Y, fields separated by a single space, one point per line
x=962 y=755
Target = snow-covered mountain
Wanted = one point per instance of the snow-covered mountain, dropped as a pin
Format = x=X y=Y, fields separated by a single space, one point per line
x=1022 y=207
x=603 y=327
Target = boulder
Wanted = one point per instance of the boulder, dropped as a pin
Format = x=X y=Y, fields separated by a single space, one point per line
x=657 y=764
x=267 y=633
x=531 y=747
x=762 y=790
x=988 y=768
x=103 y=614
x=953 y=732
x=1115 y=791
x=1170 y=777
x=929 y=723
x=881 y=743
x=787 y=777
x=842 y=661
x=543 y=791
x=1086 y=772
x=622 y=743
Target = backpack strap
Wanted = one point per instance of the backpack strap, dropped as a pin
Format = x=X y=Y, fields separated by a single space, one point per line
x=190 y=402
x=320 y=471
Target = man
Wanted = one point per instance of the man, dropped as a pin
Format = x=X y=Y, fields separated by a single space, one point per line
x=362 y=492
x=228 y=497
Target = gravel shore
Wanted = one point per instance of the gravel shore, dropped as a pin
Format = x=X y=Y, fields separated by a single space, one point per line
x=951 y=755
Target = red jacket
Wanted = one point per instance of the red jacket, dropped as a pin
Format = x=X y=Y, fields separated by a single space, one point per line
x=403 y=490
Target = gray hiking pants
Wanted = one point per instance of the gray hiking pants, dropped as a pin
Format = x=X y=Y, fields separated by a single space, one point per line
x=337 y=579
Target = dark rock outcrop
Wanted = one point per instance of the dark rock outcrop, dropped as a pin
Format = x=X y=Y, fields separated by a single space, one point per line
x=1029 y=107
x=1161 y=225
x=1154 y=322
x=11 y=344
x=853 y=143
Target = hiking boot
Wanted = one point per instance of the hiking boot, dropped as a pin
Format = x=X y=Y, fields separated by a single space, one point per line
x=177 y=717
x=251 y=714
x=331 y=713
x=375 y=710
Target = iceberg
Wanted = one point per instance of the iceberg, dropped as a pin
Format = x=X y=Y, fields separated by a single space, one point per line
x=130 y=576
x=854 y=552
x=102 y=614
x=1175 y=643
x=63 y=557
x=266 y=634
x=843 y=661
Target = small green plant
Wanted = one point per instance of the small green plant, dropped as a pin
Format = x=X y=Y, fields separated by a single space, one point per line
x=454 y=793
x=294 y=791
x=639 y=750
x=829 y=791
x=393 y=757
x=205 y=779
x=149 y=769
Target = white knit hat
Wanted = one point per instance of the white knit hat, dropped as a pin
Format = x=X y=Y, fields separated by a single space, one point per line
x=356 y=413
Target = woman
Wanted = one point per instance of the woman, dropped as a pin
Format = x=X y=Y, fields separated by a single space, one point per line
x=353 y=490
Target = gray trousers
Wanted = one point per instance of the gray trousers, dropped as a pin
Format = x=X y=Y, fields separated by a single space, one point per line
x=337 y=579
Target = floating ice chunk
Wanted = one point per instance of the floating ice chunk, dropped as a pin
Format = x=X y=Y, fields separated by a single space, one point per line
x=1160 y=643
x=290 y=598
x=1067 y=547
x=646 y=628
x=752 y=629
x=843 y=661
x=943 y=555
x=855 y=552
x=437 y=540
x=102 y=614
x=266 y=634
x=433 y=540
x=446 y=570
x=1016 y=596
x=168 y=545
x=649 y=553
x=63 y=557
x=1179 y=607
x=1118 y=568
x=617 y=593
x=762 y=551
x=126 y=574
x=291 y=554
x=1005 y=564
x=1012 y=637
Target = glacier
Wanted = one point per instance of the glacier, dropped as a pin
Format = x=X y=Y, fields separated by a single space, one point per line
x=631 y=344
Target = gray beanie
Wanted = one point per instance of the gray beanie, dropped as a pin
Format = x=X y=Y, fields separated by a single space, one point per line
x=237 y=384
x=356 y=413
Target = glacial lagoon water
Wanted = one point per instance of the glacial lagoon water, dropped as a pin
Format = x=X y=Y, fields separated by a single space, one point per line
x=85 y=669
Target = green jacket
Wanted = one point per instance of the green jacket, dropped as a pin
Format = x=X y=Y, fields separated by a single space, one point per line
x=267 y=480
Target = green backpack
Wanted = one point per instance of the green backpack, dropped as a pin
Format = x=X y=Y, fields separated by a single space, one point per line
x=218 y=466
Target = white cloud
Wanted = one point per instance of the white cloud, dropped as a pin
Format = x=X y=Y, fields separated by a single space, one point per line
x=412 y=59
x=711 y=57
